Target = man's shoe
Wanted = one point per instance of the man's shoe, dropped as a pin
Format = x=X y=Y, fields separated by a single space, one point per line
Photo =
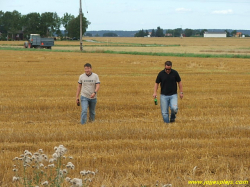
x=172 y=120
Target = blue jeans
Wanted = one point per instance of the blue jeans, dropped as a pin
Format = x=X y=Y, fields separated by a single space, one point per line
x=88 y=103
x=166 y=102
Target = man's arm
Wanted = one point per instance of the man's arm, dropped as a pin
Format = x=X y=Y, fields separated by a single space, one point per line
x=155 y=90
x=180 y=88
x=78 y=90
x=97 y=87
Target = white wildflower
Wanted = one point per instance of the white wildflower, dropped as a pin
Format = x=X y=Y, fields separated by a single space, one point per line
x=37 y=158
x=70 y=165
x=76 y=182
x=14 y=179
x=45 y=183
x=15 y=169
x=67 y=179
x=27 y=160
x=55 y=156
x=194 y=169
x=61 y=150
x=51 y=165
x=65 y=171
x=51 y=160
x=26 y=153
x=83 y=172
x=16 y=158
x=40 y=151
x=167 y=185
x=34 y=157
x=41 y=165
x=45 y=157
x=61 y=173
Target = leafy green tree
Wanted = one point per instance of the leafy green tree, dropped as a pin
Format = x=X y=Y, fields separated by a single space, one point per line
x=233 y=33
x=177 y=32
x=159 y=32
x=203 y=31
x=196 y=32
x=31 y=24
x=153 y=33
x=65 y=21
x=58 y=23
x=2 y=30
x=141 y=33
x=228 y=33
x=1 y=17
x=47 y=24
x=74 y=26
x=11 y=23
x=188 y=32
x=170 y=32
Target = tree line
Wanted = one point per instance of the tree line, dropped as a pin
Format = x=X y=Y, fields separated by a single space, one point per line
x=14 y=25
x=179 y=32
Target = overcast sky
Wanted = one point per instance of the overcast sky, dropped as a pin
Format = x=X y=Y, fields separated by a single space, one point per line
x=145 y=14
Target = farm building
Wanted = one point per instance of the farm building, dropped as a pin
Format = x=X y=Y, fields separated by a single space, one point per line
x=238 y=34
x=215 y=34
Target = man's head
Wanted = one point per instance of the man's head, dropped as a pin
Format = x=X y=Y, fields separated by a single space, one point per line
x=88 y=69
x=168 y=66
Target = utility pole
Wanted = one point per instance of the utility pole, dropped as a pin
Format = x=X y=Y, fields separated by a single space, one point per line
x=80 y=14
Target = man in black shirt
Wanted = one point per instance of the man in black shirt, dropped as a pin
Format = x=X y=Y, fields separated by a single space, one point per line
x=168 y=78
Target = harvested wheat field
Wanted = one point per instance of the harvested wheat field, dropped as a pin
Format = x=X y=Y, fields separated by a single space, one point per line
x=128 y=143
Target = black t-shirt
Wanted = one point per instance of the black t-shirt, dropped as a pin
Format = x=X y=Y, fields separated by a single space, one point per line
x=168 y=82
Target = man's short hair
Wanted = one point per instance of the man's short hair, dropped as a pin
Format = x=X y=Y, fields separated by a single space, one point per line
x=168 y=63
x=88 y=65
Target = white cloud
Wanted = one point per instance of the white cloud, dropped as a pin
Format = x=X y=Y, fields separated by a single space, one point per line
x=229 y=11
x=183 y=10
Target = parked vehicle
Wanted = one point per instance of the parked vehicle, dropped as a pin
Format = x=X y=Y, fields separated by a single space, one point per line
x=36 y=41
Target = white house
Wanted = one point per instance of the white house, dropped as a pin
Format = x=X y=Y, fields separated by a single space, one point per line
x=215 y=34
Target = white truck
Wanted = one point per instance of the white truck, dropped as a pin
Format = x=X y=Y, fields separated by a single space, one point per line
x=36 y=41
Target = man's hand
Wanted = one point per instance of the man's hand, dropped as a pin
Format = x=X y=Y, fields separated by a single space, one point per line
x=92 y=95
x=154 y=95
x=181 y=95
x=78 y=102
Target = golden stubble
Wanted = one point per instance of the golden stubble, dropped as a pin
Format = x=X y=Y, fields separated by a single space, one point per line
x=128 y=143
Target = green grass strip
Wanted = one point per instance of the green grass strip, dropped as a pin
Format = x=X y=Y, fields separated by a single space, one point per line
x=177 y=54
x=136 y=53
